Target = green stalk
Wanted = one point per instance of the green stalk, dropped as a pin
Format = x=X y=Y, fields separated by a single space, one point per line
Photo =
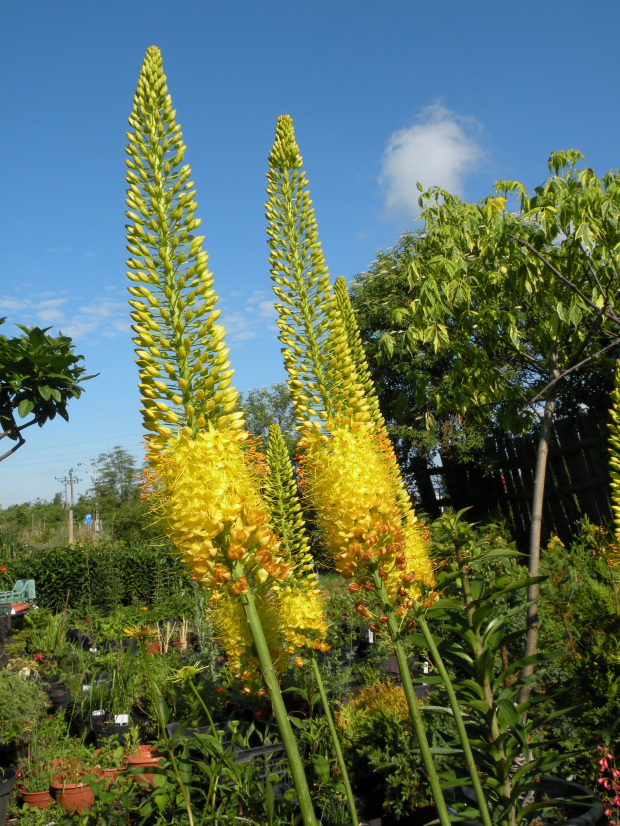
x=162 y=726
x=205 y=709
x=277 y=703
x=458 y=719
x=414 y=711
x=334 y=736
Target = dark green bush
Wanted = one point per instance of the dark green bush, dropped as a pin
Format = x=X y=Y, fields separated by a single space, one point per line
x=99 y=575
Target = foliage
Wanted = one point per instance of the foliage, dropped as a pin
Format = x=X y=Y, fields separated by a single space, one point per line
x=580 y=620
x=414 y=385
x=265 y=406
x=504 y=287
x=22 y=702
x=39 y=375
x=382 y=750
x=474 y=635
x=101 y=574
x=46 y=746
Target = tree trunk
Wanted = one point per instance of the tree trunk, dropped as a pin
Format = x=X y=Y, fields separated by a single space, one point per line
x=533 y=620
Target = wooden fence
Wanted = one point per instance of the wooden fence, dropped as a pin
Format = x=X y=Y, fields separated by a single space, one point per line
x=577 y=482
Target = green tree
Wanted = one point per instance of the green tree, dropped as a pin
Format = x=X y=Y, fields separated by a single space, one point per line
x=116 y=498
x=264 y=407
x=537 y=285
x=39 y=374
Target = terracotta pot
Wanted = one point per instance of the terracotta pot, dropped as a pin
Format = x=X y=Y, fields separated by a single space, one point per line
x=37 y=800
x=73 y=797
x=144 y=757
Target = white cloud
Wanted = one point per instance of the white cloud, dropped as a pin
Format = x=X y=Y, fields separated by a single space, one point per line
x=250 y=320
x=101 y=316
x=438 y=150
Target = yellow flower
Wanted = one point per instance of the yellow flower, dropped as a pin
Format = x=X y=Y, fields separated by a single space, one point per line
x=140 y=632
x=187 y=673
x=209 y=497
x=353 y=485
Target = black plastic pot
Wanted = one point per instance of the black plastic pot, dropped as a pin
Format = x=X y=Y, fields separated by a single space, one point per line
x=555 y=787
x=6 y=787
x=586 y=811
x=61 y=699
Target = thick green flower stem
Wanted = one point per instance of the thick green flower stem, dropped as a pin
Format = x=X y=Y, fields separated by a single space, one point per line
x=162 y=727
x=412 y=702
x=277 y=703
x=458 y=719
x=334 y=736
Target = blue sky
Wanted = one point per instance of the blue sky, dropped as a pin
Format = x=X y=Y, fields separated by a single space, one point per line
x=382 y=94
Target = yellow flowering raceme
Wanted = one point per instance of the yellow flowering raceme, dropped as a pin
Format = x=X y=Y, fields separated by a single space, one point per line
x=208 y=495
x=295 y=618
x=233 y=632
x=351 y=484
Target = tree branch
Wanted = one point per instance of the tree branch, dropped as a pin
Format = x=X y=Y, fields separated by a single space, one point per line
x=573 y=368
x=17 y=429
x=21 y=442
x=600 y=310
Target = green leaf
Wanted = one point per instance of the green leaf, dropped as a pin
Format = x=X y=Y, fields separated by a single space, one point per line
x=322 y=767
x=586 y=236
x=25 y=407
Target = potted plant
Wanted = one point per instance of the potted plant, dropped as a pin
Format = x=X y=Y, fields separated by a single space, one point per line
x=22 y=703
x=108 y=700
x=35 y=790
x=138 y=755
x=41 y=764
x=110 y=757
x=69 y=786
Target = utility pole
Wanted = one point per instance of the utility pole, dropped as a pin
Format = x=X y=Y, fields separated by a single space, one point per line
x=65 y=482
x=70 y=481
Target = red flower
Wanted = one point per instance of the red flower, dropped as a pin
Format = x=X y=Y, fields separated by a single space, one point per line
x=3 y=568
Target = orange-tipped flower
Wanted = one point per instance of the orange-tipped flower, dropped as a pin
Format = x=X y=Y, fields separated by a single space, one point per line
x=353 y=486
x=209 y=496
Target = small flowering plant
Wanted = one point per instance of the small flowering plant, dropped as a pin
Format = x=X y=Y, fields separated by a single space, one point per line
x=610 y=782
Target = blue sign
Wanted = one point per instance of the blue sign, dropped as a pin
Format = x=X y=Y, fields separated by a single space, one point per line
x=88 y=519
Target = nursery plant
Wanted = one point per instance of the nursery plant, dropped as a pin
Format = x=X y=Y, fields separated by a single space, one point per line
x=22 y=703
x=203 y=480
x=478 y=626
x=349 y=472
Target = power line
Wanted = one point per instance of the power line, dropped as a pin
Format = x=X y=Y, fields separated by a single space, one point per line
x=86 y=442
x=77 y=454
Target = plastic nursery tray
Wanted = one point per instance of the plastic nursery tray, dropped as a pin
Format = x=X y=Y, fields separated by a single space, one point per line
x=274 y=762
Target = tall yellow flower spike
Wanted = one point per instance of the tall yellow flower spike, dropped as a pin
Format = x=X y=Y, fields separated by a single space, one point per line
x=295 y=614
x=203 y=486
x=350 y=474
x=184 y=368
x=322 y=378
